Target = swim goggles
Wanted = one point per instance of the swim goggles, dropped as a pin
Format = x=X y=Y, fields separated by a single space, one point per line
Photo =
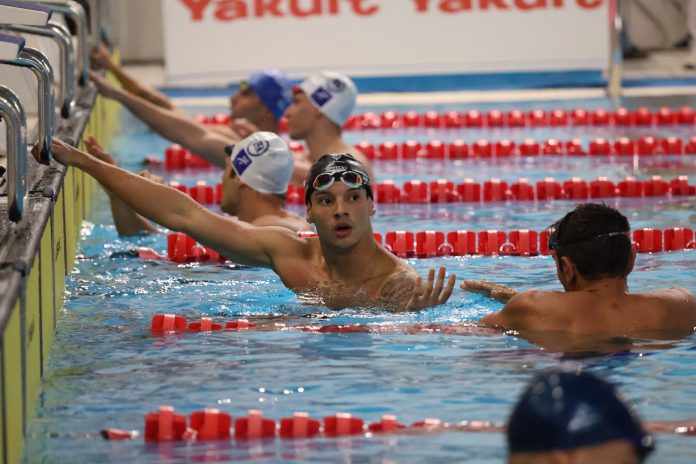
x=326 y=179
x=555 y=231
x=244 y=87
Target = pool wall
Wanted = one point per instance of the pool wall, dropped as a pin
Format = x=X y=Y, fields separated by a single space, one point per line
x=35 y=256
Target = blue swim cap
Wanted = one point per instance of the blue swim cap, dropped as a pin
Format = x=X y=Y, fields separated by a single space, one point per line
x=563 y=410
x=273 y=88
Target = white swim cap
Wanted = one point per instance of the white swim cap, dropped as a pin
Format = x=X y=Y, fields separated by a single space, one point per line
x=263 y=162
x=332 y=93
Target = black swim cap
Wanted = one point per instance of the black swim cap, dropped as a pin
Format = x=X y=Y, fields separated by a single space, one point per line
x=332 y=164
x=562 y=410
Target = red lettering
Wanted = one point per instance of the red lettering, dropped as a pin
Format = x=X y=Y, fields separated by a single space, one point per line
x=421 y=5
x=228 y=10
x=558 y=3
x=495 y=3
x=268 y=6
x=361 y=10
x=297 y=11
x=589 y=3
x=333 y=6
x=524 y=4
x=452 y=6
x=196 y=7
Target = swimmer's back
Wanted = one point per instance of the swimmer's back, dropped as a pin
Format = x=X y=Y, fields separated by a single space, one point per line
x=587 y=312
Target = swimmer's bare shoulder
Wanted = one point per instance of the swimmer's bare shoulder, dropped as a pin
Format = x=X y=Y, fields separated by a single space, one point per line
x=674 y=294
x=677 y=301
x=525 y=309
x=288 y=220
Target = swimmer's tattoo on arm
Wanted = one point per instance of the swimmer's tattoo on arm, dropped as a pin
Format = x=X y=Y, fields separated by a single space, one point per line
x=397 y=292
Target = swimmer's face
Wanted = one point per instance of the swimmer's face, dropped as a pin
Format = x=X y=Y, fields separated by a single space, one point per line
x=231 y=185
x=341 y=214
x=301 y=115
x=246 y=104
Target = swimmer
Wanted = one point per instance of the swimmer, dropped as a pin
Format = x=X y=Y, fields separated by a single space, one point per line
x=575 y=417
x=343 y=266
x=257 y=106
x=593 y=255
x=320 y=106
x=254 y=183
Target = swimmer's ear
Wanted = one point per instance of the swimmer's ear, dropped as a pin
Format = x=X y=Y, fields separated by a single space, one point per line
x=631 y=261
x=309 y=217
x=372 y=208
x=569 y=271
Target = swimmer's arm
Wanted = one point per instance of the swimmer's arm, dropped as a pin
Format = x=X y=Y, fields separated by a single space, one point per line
x=101 y=56
x=517 y=314
x=498 y=292
x=225 y=131
x=171 y=124
x=126 y=220
x=175 y=210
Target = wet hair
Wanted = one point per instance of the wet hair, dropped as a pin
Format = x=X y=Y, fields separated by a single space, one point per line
x=335 y=163
x=596 y=238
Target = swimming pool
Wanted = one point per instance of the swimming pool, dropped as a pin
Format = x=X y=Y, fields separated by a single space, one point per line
x=107 y=370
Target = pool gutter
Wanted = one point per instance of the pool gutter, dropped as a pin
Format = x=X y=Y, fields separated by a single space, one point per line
x=36 y=255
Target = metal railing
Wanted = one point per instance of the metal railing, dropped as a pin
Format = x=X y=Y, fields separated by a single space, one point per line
x=615 y=67
x=15 y=120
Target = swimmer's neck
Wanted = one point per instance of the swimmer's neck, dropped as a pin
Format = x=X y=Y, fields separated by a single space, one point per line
x=268 y=125
x=607 y=286
x=254 y=205
x=351 y=264
x=322 y=141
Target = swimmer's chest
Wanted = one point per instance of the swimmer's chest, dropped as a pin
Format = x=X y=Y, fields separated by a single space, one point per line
x=318 y=286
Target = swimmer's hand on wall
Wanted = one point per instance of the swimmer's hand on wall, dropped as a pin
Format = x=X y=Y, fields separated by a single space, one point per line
x=433 y=293
x=498 y=292
x=62 y=152
x=100 y=57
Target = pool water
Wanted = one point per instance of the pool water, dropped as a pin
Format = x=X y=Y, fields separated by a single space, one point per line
x=107 y=370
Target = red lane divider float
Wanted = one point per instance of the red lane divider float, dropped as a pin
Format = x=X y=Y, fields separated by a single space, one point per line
x=166 y=425
x=427 y=244
x=243 y=325
x=177 y=157
x=486 y=149
x=432 y=243
x=182 y=249
x=446 y=191
x=621 y=117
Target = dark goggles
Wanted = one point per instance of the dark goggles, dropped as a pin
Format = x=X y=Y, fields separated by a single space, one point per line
x=555 y=232
x=350 y=178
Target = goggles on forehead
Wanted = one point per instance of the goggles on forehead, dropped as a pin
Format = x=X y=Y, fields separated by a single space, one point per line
x=350 y=178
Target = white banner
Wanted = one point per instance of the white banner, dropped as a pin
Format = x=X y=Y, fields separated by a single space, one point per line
x=209 y=41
